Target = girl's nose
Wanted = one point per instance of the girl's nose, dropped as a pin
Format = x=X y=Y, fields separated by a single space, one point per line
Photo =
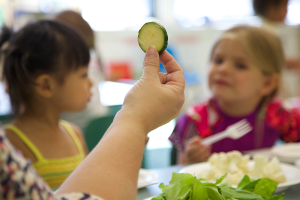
x=90 y=83
x=224 y=67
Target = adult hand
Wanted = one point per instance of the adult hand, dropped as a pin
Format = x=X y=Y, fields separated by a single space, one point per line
x=156 y=98
x=195 y=151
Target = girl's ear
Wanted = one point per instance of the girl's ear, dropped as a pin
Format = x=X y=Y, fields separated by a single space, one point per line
x=270 y=84
x=45 y=85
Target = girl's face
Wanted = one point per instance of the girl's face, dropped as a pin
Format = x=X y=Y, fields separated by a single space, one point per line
x=74 y=93
x=232 y=76
x=278 y=12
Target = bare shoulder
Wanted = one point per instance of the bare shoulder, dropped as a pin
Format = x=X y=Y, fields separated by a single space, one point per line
x=80 y=135
x=18 y=143
x=77 y=130
x=14 y=139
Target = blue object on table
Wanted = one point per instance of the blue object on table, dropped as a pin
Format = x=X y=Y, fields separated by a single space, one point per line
x=191 y=78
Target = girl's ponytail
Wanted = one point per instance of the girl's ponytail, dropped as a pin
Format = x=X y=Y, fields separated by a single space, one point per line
x=12 y=70
x=5 y=35
x=17 y=78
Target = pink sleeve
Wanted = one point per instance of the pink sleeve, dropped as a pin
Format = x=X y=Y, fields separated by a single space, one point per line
x=287 y=121
x=194 y=122
x=183 y=128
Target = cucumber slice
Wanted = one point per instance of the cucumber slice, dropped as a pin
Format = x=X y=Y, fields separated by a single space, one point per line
x=153 y=33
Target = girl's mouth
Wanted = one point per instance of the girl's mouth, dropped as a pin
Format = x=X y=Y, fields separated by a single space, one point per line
x=221 y=82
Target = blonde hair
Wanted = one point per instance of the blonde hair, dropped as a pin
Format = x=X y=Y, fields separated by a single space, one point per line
x=263 y=48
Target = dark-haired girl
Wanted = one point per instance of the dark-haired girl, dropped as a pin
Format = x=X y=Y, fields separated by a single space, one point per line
x=45 y=72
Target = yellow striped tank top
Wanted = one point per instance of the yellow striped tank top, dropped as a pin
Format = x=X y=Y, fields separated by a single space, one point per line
x=53 y=171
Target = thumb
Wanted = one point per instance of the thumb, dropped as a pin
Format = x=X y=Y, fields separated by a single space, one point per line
x=151 y=63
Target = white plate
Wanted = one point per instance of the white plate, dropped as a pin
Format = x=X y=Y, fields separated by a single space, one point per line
x=291 y=173
x=146 y=176
x=288 y=153
x=297 y=163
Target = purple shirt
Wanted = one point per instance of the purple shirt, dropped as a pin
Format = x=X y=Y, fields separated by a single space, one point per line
x=266 y=134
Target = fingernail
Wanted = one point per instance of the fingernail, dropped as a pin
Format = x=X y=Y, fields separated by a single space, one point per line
x=151 y=52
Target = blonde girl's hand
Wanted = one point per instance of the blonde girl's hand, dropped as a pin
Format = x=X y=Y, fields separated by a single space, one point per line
x=195 y=151
x=156 y=98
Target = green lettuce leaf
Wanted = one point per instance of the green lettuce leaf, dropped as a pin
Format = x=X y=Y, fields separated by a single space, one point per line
x=265 y=188
x=187 y=187
x=228 y=193
x=163 y=187
x=213 y=193
x=220 y=179
x=277 y=197
x=199 y=191
x=160 y=197
x=250 y=186
x=245 y=180
x=180 y=186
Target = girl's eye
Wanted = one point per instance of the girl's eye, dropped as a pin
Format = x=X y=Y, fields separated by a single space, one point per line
x=218 y=61
x=84 y=75
x=241 y=66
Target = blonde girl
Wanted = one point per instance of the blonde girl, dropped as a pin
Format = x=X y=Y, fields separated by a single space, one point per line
x=244 y=77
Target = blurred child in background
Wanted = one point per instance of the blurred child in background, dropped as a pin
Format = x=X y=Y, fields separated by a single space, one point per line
x=244 y=76
x=273 y=14
x=95 y=70
x=45 y=71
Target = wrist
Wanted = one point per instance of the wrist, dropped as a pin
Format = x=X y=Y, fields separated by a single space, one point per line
x=131 y=120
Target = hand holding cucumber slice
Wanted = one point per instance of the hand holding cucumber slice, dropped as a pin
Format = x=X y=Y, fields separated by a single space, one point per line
x=153 y=33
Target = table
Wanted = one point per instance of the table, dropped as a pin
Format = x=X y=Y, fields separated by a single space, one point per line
x=165 y=175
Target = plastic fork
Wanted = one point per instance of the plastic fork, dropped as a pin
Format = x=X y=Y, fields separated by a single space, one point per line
x=234 y=131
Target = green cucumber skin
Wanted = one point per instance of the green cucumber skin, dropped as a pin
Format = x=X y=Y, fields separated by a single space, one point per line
x=165 y=35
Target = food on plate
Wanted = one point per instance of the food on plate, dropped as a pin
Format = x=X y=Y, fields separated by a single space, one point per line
x=188 y=187
x=237 y=165
x=152 y=33
x=271 y=169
